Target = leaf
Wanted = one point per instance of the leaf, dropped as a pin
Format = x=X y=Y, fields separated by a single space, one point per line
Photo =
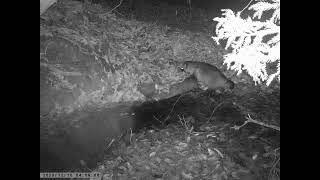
x=152 y=154
x=230 y=41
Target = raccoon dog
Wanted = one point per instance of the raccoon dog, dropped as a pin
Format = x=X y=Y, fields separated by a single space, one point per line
x=207 y=74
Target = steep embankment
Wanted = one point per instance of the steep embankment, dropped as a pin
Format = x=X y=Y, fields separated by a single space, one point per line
x=89 y=57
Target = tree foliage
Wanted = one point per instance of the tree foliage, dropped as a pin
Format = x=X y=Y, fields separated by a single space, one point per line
x=254 y=42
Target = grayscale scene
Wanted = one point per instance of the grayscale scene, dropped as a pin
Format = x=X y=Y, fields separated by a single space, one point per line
x=160 y=89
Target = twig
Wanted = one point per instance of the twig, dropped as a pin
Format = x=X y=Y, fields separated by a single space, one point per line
x=246 y=6
x=110 y=144
x=114 y=8
x=277 y=149
x=119 y=13
x=156 y=119
x=272 y=170
x=83 y=163
x=249 y=119
x=190 y=8
x=220 y=154
x=182 y=123
x=172 y=108
x=215 y=108
x=185 y=125
x=131 y=135
x=238 y=127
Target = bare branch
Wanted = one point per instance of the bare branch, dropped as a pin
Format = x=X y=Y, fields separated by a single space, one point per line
x=114 y=8
x=249 y=119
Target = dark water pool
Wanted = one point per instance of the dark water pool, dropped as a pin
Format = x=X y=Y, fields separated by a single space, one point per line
x=81 y=137
x=85 y=136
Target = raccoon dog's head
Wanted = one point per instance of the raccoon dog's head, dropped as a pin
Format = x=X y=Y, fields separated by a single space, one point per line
x=188 y=67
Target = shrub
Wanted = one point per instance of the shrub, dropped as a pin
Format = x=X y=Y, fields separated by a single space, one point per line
x=254 y=41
